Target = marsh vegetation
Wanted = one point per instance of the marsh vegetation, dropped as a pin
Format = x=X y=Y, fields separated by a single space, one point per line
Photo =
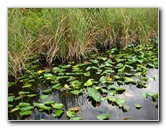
x=65 y=63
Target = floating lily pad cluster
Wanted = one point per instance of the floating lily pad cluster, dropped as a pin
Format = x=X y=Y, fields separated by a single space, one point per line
x=99 y=76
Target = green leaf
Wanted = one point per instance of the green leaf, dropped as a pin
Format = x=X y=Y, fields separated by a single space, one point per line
x=23 y=104
x=58 y=113
x=94 y=94
x=57 y=105
x=87 y=74
x=14 y=109
x=130 y=80
x=35 y=104
x=88 y=83
x=25 y=113
x=27 y=85
x=103 y=116
x=19 y=97
x=57 y=86
x=120 y=89
x=70 y=113
x=10 y=84
x=43 y=97
x=10 y=105
x=47 y=90
x=155 y=97
x=25 y=108
x=120 y=101
x=23 y=93
x=102 y=79
x=76 y=92
x=49 y=102
x=75 y=118
x=43 y=106
x=144 y=95
x=11 y=98
x=138 y=106
x=48 y=76
x=32 y=95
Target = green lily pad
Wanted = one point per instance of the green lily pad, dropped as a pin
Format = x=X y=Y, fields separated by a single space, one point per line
x=118 y=89
x=11 y=98
x=57 y=113
x=23 y=92
x=92 y=92
x=88 y=83
x=76 y=92
x=47 y=90
x=57 y=105
x=120 y=102
x=129 y=80
x=25 y=113
x=138 y=106
x=14 y=110
x=70 y=113
x=103 y=116
x=43 y=97
x=48 y=76
x=10 y=84
x=23 y=104
x=27 y=85
x=87 y=74
x=10 y=105
x=19 y=97
x=75 y=118
x=57 y=86
x=43 y=106
x=32 y=95
x=25 y=108
x=49 y=102
x=144 y=95
x=102 y=79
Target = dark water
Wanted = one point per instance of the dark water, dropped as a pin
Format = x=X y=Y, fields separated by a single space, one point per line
x=149 y=110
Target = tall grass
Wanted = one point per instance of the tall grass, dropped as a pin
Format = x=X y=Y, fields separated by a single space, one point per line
x=69 y=33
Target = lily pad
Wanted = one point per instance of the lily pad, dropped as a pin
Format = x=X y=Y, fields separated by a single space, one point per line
x=49 y=102
x=19 y=97
x=23 y=104
x=27 y=85
x=70 y=113
x=94 y=94
x=32 y=95
x=75 y=118
x=129 y=80
x=120 y=102
x=25 y=108
x=48 y=76
x=43 y=97
x=103 y=116
x=14 y=110
x=76 y=92
x=11 y=98
x=88 y=83
x=43 y=106
x=47 y=90
x=57 y=86
x=25 y=113
x=57 y=113
x=138 y=106
x=57 y=105
x=102 y=79
x=23 y=92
